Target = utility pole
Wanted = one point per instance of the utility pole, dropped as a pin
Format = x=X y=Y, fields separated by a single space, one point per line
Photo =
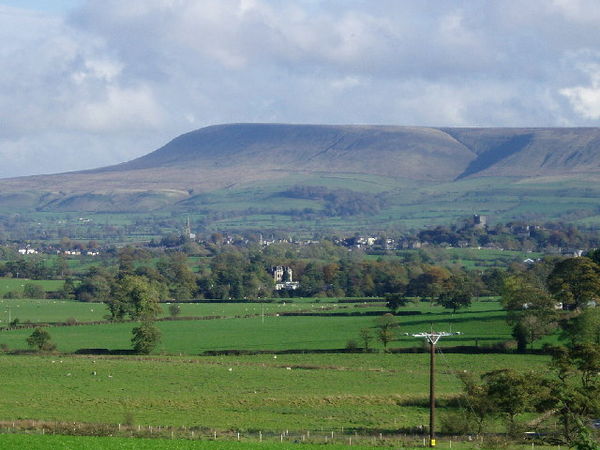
x=432 y=337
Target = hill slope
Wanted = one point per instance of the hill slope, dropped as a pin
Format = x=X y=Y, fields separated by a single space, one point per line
x=413 y=165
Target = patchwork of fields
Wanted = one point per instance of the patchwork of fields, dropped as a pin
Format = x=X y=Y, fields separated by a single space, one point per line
x=300 y=381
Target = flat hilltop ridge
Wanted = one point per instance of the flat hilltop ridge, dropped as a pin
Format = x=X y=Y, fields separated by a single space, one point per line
x=230 y=155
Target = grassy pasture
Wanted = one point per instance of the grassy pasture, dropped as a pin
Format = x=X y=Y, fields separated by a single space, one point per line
x=32 y=442
x=358 y=392
x=17 y=284
x=484 y=323
x=468 y=258
x=60 y=310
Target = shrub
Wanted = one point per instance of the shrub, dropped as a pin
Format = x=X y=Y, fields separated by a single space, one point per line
x=174 y=310
x=351 y=345
x=34 y=291
x=456 y=423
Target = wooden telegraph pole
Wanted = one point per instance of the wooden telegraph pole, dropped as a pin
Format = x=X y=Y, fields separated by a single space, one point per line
x=432 y=338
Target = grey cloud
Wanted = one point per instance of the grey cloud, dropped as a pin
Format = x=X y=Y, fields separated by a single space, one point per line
x=115 y=71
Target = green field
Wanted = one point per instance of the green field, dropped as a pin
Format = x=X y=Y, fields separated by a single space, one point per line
x=353 y=395
x=62 y=310
x=483 y=324
x=17 y=284
x=359 y=392
x=37 y=442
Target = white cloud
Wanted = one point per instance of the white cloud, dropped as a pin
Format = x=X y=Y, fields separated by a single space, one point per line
x=585 y=100
x=584 y=11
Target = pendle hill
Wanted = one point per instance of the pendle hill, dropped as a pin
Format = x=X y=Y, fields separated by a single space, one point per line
x=374 y=174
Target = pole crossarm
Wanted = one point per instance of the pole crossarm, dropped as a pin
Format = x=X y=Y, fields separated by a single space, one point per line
x=434 y=336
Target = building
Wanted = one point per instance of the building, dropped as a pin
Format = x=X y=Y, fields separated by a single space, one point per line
x=479 y=222
x=283 y=277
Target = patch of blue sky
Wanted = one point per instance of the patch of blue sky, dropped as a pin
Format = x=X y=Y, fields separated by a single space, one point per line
x=46 y=6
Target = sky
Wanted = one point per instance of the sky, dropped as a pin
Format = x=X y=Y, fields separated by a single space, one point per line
x=88 y=83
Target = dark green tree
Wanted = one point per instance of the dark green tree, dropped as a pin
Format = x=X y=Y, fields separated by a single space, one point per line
x=531 y=309
x=576 y=395
x=136 y=296
x=584 y=328
x=385 y=329
x=396 y=301
x=575 y=281
x=40 y=340
x=512 y=393
x=145 y=337
x=457 y=296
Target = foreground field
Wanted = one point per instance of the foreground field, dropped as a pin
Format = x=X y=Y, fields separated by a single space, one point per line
x=314 y=391
x=12 y=441
x=356 y=392
x=36 y=442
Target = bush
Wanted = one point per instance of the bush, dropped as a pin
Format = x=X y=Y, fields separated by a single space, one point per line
x=456 y=423
x=174 y=310
x=13 y=294
x=34 y=291
x=351 y=345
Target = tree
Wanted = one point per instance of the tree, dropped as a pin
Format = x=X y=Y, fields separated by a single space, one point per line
x=68 y=289
x=96 y=286
x=366 y=337
x=576 y=395
x=430 y=283
x=575 y=281
x=395 y=301
x=145 y=337
x=174 y=310
x=136 y=296
x=511 y=393
x=61 y=267
x=475 y=395
x=457 y=296
x=385 y=325
x=180 y=278
x=530 y=308
x=40 y=339
x=584 y=328
x=594 y=255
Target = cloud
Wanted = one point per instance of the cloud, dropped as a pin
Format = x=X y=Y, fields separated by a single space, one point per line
x=114 y=79
x=585 y=100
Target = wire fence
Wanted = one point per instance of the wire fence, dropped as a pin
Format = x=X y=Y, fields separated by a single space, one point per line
x=202 y=433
